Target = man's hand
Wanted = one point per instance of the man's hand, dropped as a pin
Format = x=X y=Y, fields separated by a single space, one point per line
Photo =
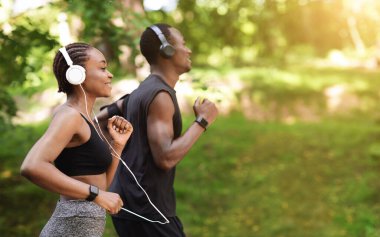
x=206 y=109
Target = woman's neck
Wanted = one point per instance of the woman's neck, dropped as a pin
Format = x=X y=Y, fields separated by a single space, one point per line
x=81 y=102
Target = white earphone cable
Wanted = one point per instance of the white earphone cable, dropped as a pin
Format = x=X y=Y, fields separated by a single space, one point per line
x=113 y=152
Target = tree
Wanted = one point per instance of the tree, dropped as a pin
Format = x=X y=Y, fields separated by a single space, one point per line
x=27 y=41
x=23 y=49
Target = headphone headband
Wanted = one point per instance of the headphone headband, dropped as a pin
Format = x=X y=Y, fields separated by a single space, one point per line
x=66 y=56
x=159 y=33
x=166 y=49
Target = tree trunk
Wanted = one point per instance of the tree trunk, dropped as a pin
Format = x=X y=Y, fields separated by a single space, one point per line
x=127 y=58
x=355 y=35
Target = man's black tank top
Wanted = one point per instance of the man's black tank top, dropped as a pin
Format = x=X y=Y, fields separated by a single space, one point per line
x=138 y=156
x=91 y=158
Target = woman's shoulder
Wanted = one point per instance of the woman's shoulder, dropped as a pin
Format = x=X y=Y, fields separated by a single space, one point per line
x=65 y=123
x=67 y=115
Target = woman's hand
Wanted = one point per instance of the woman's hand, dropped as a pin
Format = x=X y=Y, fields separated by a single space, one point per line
x=109 y=201
x=120 y=130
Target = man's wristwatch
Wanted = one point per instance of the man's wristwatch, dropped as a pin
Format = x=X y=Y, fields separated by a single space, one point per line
x=202 y=122
x=94 y=191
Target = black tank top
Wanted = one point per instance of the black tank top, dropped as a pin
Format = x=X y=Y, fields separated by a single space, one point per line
x=91 y=158
x=138 y=156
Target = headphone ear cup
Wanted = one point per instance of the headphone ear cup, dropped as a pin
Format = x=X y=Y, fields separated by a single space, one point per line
x=167 y=50
x=76 y=74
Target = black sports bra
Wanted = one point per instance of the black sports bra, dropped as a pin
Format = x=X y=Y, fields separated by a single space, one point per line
x=90 y=158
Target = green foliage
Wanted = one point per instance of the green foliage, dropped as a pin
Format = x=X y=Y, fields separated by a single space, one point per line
x=18 y=50
x=16 y=141
x=269 y=29
x=28 y=46
x=101 y=31
x=24 y=50
x=294 y=93
x=220 y=33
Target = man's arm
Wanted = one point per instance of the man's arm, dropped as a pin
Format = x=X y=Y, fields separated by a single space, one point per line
x=166 y=150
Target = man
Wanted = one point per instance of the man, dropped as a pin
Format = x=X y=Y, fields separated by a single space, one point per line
x=156 y=145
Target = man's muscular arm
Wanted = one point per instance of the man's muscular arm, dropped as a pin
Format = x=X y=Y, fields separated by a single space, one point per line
x=166 y=150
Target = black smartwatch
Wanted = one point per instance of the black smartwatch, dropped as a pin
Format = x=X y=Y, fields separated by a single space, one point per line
x=94 y=191
x=202 y=122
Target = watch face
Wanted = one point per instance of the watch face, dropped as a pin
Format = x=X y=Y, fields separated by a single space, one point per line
x=93 y=193
x=94 y=190
x=203 y=122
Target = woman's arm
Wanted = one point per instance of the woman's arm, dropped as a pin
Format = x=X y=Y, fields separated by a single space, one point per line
x=120 y=130
x=115 y=162
x=38 y=165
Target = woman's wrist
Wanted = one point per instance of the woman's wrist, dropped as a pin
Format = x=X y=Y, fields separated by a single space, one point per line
x=118 y=147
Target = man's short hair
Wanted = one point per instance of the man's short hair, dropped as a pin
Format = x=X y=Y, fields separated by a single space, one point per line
x=150 y=43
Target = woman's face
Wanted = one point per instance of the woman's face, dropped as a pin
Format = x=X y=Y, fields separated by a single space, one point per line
x=98 y=78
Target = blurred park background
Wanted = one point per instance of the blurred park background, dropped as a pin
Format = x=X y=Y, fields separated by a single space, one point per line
x=296 y=150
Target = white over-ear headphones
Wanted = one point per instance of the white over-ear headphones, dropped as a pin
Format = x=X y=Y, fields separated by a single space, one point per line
x=75 y=74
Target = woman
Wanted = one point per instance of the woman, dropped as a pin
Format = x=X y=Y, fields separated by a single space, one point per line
x=84 y=166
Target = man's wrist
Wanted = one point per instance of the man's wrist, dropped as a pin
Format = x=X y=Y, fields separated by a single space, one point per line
x=201 y=122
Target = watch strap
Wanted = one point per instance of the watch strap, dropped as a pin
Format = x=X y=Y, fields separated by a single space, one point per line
x=94 y=191
x=202 y=122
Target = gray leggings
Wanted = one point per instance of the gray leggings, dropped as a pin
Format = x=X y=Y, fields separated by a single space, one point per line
x=75 y=218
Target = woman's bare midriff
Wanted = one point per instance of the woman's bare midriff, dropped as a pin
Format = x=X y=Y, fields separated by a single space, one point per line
x=99 y=180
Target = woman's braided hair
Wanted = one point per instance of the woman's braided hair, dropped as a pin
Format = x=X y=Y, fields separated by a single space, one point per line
x=78 y=53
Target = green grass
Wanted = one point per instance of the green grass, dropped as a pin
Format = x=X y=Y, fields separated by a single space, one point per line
x=272 y=179
x=249 y=178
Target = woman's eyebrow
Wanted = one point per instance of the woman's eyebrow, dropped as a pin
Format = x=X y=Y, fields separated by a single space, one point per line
x=103 y=61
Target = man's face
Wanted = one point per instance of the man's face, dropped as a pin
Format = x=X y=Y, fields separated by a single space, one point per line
x=181 y=57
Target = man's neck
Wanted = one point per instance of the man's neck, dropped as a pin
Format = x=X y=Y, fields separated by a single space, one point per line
x=169 y=76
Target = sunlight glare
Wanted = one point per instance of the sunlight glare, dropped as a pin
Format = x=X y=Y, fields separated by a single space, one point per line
x=155 y=5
